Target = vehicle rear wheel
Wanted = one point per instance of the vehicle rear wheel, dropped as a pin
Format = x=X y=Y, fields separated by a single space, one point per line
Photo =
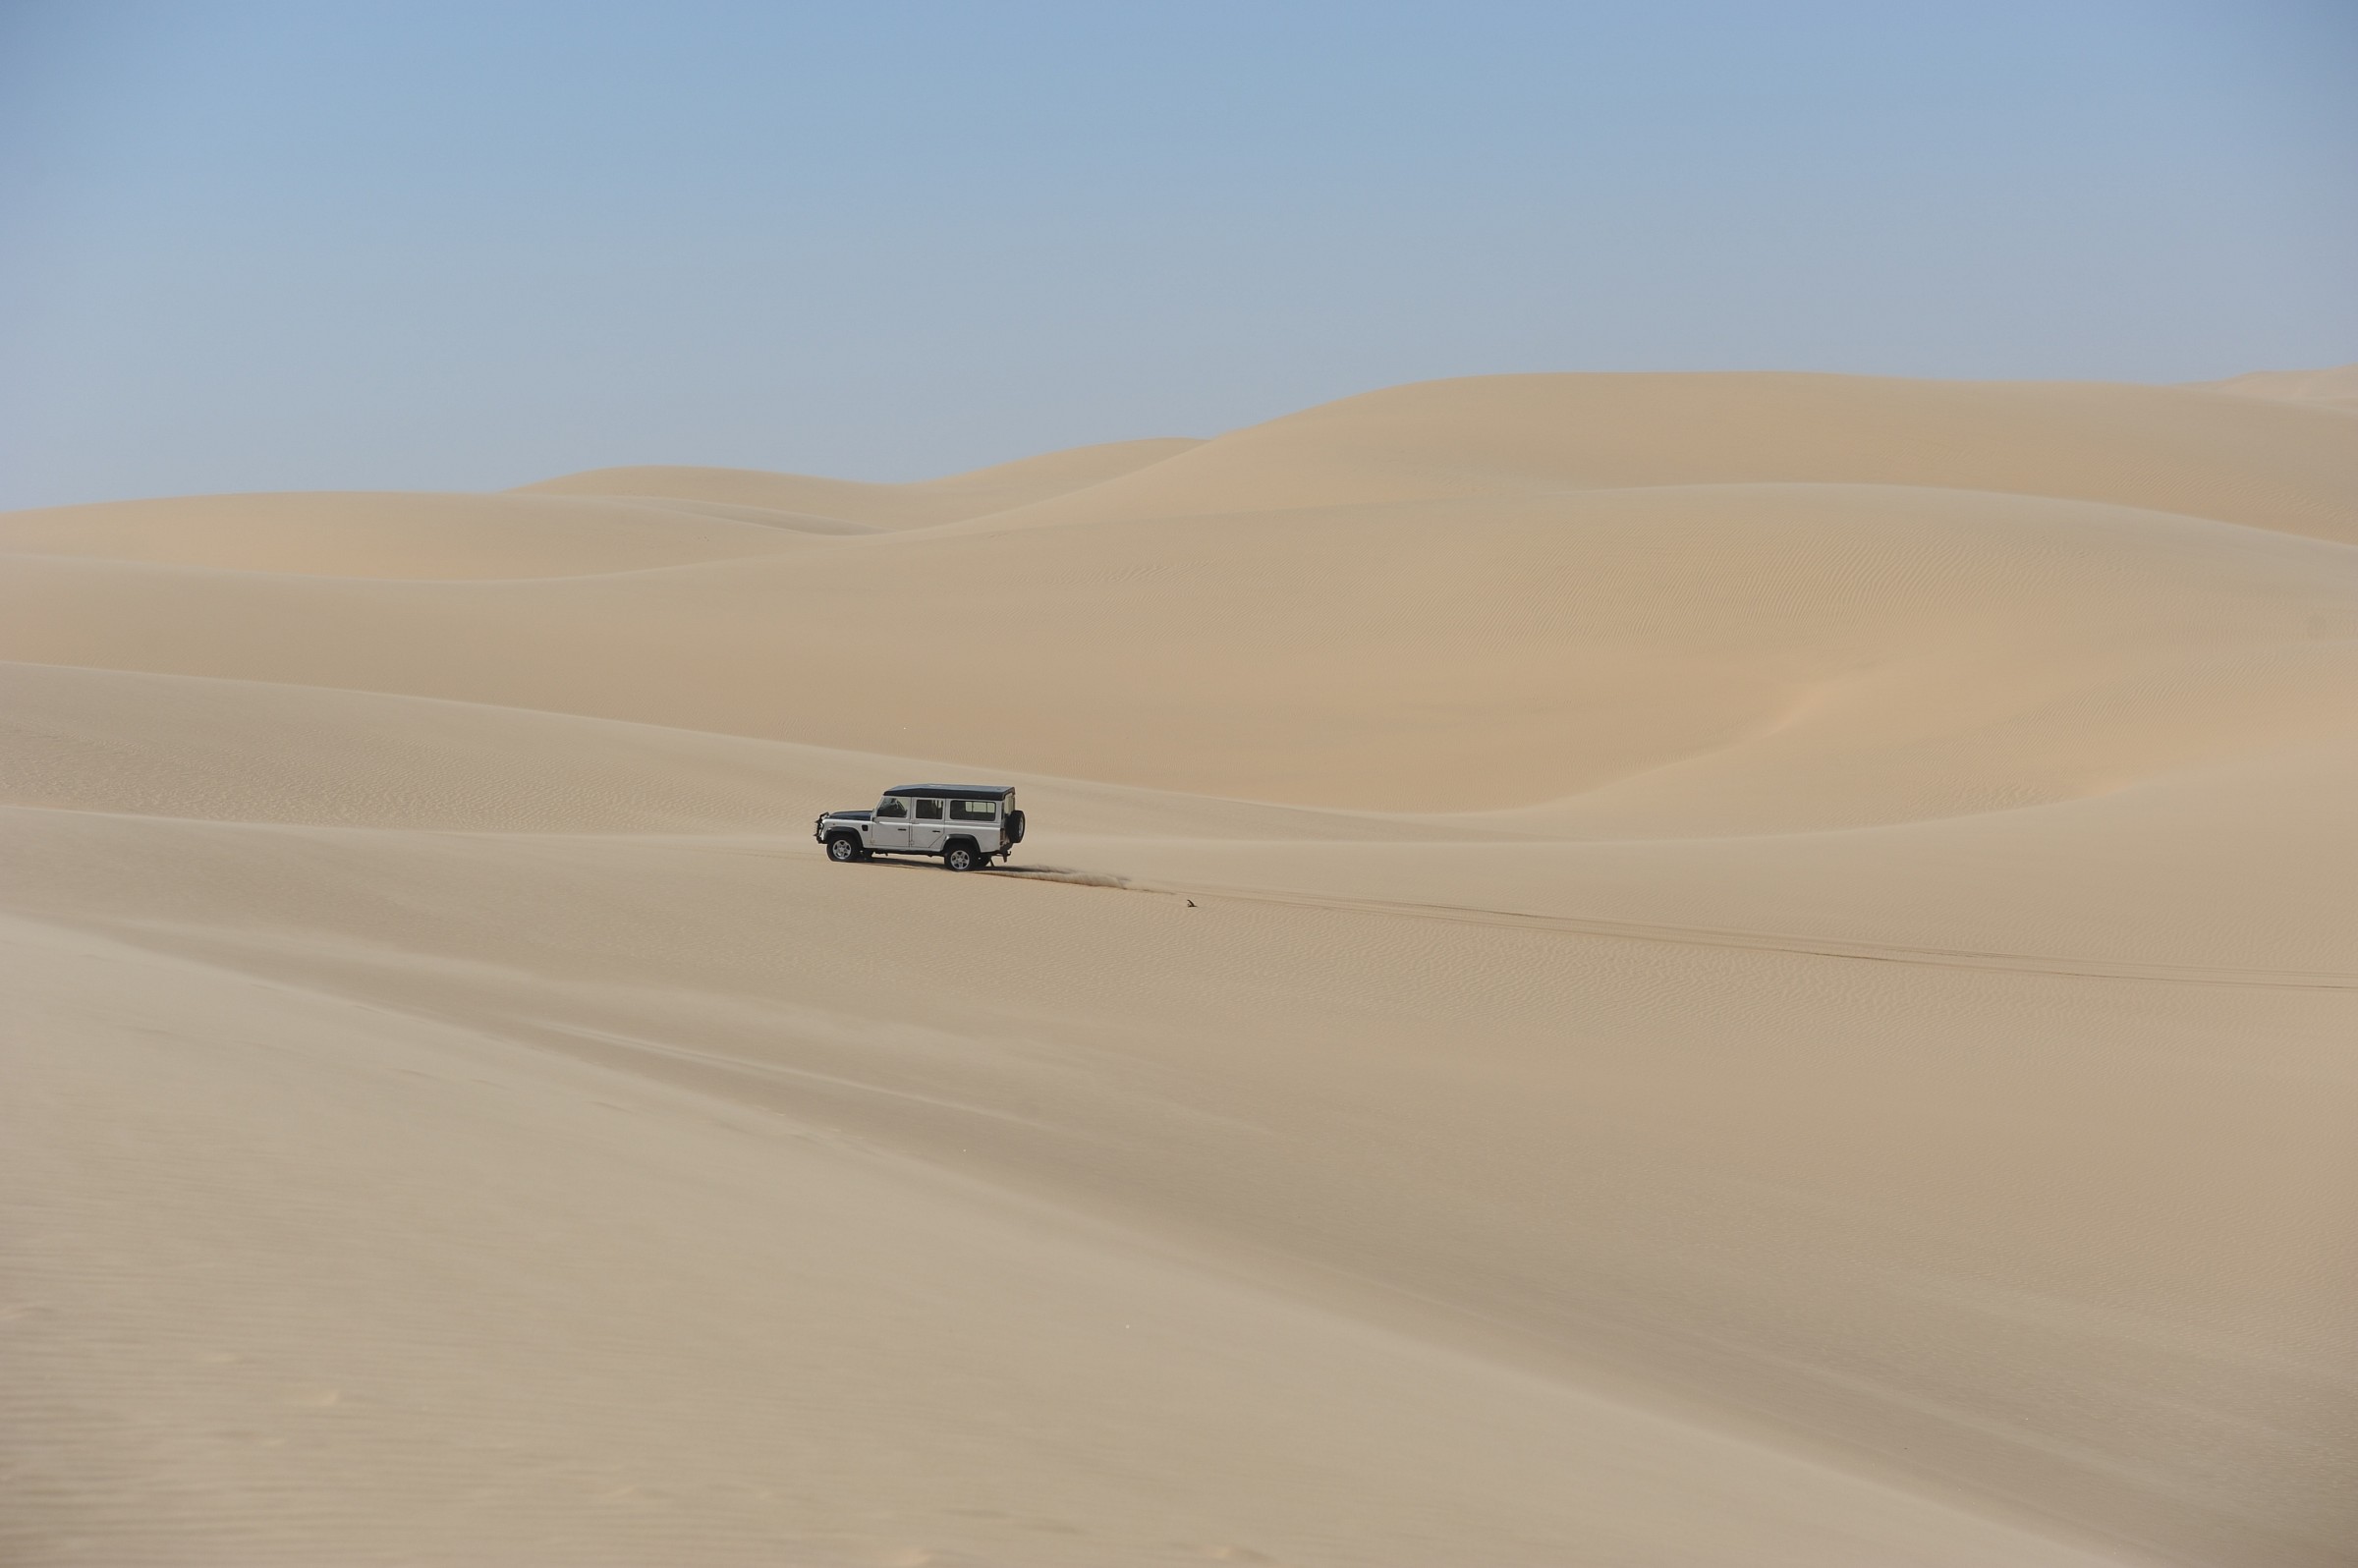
x=960 y=857
x=843 y=848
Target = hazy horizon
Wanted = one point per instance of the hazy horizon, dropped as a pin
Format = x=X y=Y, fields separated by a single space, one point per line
x=254 y=246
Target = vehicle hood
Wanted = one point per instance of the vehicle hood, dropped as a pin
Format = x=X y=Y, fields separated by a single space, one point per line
x=854 y=816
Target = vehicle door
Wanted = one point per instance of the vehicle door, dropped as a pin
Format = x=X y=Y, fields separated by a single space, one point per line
x=926 y=829
x=888 y=828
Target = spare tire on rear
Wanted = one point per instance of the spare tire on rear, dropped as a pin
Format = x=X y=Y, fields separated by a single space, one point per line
x=1014 y=827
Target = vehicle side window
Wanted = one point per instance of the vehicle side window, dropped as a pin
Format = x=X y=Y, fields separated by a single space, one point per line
x=973 y=811
x=928 y=811
x=891 y=806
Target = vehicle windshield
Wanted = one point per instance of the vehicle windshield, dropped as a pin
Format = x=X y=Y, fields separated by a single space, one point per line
x=890 y=805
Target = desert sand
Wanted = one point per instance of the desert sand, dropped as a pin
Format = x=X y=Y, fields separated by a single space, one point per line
x=1633 y=970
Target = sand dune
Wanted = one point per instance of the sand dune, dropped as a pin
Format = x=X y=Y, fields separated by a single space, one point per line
x=381 y=536
x=886 y=506
x=1686 y=970
x=2336 y=388
x=1957 y=651
x=2153 y=448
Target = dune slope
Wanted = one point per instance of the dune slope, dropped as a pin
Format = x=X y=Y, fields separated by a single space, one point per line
x=1611 y=969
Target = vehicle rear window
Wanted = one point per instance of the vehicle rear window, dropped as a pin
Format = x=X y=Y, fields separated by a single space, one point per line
x=973 y=811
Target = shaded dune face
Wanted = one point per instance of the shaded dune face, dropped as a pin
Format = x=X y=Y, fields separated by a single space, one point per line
x=1639 y=968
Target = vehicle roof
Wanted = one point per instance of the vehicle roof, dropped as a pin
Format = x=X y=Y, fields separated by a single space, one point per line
x=971 y=792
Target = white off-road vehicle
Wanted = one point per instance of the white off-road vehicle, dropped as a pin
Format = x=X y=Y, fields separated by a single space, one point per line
x=964 y=824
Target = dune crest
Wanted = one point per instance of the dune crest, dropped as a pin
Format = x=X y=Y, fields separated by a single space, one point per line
x=391 y=535
x=2336 y=388
x=885 y=506
x=1705 y=969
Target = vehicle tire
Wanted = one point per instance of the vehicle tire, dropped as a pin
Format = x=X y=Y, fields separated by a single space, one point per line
x=843 y=848
x=1014 y=827
x=962 y=857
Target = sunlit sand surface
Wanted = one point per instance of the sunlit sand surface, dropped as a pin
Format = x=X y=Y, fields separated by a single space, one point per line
x=1749 y=969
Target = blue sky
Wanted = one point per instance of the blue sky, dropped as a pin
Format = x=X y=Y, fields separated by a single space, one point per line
x=250 y=245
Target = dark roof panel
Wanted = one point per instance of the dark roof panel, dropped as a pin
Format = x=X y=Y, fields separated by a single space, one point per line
x=969 y=792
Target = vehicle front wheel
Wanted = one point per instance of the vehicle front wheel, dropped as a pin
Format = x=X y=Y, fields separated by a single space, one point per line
x=960 y=857
x=843 y=848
